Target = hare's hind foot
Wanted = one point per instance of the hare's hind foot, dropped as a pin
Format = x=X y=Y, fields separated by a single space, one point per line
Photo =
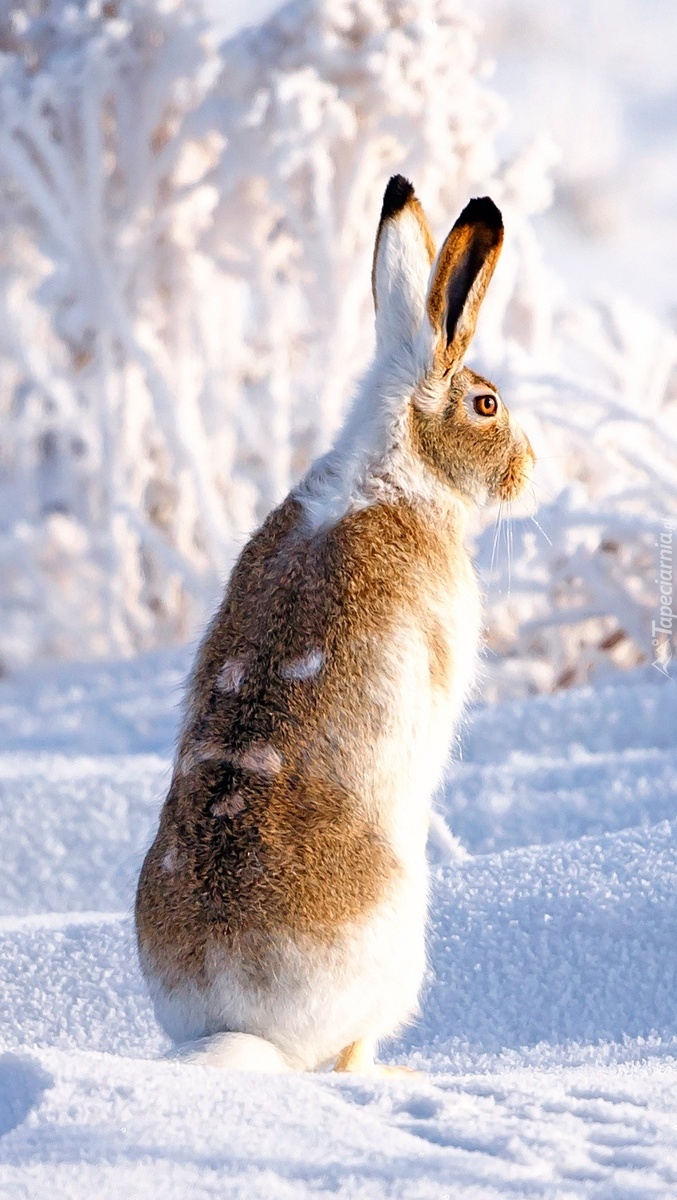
x=358 y=1059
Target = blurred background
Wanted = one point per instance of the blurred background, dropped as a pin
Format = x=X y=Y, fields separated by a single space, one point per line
x=188 y=201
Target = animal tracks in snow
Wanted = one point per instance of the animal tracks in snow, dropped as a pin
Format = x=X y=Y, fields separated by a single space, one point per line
x=552 y=1130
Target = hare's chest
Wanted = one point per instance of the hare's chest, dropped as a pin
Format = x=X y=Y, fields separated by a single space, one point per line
x=450 y=617
x=427 y=668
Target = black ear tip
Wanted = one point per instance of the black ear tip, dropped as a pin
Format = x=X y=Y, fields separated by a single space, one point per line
x=397 y=193
x=481 y=211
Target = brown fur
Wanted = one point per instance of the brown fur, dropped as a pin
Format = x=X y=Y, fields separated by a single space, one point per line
x=464 y=269
x=300 y=856
x=474 y=456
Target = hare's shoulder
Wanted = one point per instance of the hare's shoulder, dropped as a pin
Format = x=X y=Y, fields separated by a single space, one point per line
x=295 y=587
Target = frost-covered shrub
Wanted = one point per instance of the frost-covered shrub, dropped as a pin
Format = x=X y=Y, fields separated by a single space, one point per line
x=109 y=526
x=576 y=594
x=187 y=232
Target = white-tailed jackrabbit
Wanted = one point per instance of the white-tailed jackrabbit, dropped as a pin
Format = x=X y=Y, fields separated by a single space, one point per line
x=281 y=908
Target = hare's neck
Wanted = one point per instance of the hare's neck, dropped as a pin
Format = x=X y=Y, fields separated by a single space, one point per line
x=373 y=462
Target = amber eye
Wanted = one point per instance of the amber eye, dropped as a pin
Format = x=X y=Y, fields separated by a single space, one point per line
x=485 y=406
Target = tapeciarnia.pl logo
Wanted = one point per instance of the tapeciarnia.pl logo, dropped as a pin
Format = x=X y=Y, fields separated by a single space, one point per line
x=661 y=630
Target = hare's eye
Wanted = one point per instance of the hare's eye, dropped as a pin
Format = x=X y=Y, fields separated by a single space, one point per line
x=485 y=406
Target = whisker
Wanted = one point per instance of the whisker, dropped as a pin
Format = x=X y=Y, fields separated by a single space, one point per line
x=552 y=457
x=550 y=495
x=539 y=527
x=507 y=550
x=496 y=535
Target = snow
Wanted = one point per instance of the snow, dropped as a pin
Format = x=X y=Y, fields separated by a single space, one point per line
x=547 y=1041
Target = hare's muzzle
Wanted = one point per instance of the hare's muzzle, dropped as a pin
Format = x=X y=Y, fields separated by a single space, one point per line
x=519 y=471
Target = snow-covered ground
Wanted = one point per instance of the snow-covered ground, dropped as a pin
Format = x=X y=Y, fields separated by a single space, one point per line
x=547 y=1041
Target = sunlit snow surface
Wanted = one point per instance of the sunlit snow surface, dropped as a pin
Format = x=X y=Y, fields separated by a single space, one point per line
x=547 y=1040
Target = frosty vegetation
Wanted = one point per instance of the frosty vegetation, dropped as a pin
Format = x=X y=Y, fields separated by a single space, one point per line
x=186 y=234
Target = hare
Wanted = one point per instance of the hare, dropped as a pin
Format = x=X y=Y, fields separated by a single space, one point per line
x=281 y=909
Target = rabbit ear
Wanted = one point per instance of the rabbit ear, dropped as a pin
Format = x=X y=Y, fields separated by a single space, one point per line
x=461 y=277
x=403 y=255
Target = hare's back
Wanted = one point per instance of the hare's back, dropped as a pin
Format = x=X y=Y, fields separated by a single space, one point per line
x=274 y=824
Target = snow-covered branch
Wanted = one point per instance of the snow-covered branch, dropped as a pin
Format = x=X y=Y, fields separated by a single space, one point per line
x=186 y=239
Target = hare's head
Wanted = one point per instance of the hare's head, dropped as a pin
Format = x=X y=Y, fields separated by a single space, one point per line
x=426 y=312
